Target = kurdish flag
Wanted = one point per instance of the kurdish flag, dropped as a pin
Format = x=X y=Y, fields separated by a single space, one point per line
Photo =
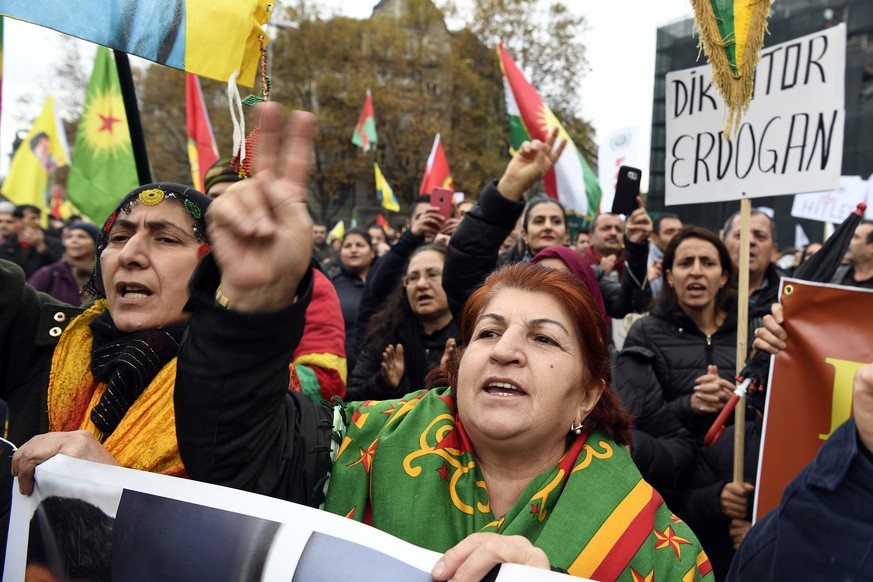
x=571 y=181
x=103 y=168
x=202 y=151
x=384 y=191
x=732 y=34
x=210 y=38
x=437 y=173
x=44 y=149
x=365 y=131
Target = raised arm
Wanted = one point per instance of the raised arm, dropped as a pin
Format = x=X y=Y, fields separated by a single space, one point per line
x=473 y=248
x=236 y=422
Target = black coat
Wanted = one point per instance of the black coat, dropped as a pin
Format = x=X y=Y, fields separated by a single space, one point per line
x=30 y=325
x=421 y=354
x=654 y=376
x=349 y=288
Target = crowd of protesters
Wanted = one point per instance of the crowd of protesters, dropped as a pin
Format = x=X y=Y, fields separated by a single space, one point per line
x=384 y=317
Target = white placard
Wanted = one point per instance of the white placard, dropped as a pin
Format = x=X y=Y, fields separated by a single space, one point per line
x=150 y=526
x=833 y=205
x=622 y=148
x=790 y=140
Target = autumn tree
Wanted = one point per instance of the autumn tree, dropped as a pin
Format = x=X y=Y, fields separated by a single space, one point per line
x=544 y=38
x=423 y=79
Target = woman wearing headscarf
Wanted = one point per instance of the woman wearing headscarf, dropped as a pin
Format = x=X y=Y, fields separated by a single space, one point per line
x=65 y=279
x=100 y=382
x=517 y=458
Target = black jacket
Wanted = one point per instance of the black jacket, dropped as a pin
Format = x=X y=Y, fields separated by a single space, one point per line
x=421 y=354
x=663 y=355
x=30 y=325
x=265 y=438
x=349 y=288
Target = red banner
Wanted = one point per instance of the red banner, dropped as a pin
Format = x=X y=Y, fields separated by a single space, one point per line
x=810 y=389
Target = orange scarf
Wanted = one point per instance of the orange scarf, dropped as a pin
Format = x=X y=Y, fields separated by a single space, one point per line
x=146 y=437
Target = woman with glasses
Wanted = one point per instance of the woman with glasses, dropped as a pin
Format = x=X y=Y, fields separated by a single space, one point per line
x=410 y=335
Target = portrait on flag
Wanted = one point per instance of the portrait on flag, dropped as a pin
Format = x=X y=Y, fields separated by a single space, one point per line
x=789 y=141
x=810 y=388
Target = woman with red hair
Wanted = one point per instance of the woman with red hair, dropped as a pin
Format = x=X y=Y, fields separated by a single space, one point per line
x=519 y=459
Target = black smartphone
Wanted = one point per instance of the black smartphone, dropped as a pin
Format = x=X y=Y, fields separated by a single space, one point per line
x=627 y=188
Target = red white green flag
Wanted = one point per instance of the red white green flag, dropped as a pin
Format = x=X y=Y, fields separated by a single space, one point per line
x=437 y=173
x=202 y=151
x=571 y=181
x=365 y=131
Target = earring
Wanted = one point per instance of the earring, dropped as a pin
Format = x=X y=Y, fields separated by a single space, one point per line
x=576 y=429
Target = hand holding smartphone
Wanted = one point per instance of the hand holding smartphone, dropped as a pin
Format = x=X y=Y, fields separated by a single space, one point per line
x=627 y=189
x=442 y=199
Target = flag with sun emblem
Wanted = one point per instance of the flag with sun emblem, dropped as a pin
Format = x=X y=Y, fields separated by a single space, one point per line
x=103 y=168
x=571 y=181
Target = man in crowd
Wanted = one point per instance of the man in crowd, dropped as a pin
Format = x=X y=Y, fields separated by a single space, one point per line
x=858 y=271
x=321 y=250
x=664 y=228
x=28 y=247
x=607 y=244
x=583 y=240
x=7 y=222
x=763 y=273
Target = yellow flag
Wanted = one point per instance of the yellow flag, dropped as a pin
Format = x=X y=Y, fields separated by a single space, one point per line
x=337 y=231
x=44 y=149
x=384 y=191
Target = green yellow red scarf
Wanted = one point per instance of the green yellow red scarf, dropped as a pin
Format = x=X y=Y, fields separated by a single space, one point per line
x=407 y=467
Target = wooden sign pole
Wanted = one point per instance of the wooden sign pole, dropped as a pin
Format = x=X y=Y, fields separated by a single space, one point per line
x=742 y=334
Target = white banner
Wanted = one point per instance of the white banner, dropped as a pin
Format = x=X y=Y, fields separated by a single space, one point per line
x=833 y=205
x=622 y=148
x=790 y=141
x=123 y=524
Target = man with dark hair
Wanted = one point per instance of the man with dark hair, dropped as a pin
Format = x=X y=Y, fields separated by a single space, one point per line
x=607 y=243
x=664 y=228
x=858 y=272
x=322 y=252
x=763 y=273
x=7 y=223
x=28 y=247
x=583 y=240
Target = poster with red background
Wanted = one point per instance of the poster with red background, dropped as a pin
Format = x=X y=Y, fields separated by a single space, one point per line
x=830 y=329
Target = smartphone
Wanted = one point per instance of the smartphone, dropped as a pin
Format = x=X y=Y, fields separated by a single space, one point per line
x=442 y=199
x=627 y=188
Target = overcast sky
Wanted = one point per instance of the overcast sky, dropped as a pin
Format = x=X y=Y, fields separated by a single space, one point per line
x=617 y=91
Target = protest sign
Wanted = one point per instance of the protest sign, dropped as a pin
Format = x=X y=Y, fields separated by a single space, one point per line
x=833 y=205
x=132 y=525
x=810 y=388
x=790 y=141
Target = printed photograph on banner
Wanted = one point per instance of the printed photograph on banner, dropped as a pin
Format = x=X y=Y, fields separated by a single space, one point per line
x=790 y=141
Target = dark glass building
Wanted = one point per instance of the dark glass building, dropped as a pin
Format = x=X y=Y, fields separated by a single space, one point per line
x=789 y=19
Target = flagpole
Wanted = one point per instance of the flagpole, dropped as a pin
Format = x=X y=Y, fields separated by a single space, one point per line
x=742 y=334
x=137 y=138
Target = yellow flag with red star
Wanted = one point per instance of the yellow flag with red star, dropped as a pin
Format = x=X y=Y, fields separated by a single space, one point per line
x=103 y=168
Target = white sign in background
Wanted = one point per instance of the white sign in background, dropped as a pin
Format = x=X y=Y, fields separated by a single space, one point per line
x=833 y=206
x=621 y=148
x=790 y=140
